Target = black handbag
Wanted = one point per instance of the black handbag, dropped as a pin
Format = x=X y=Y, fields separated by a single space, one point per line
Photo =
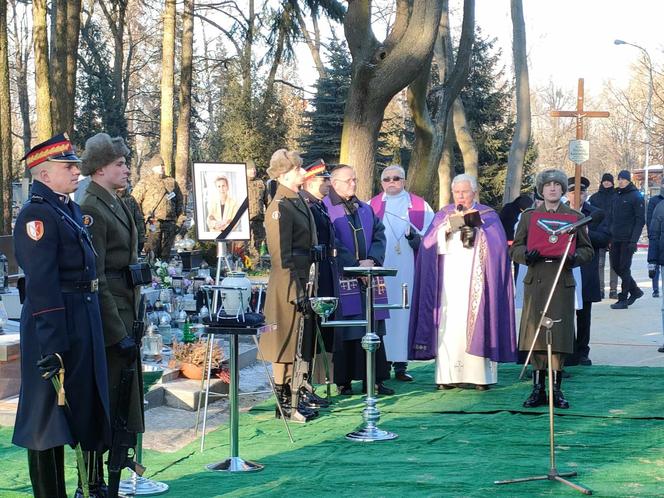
x=139 y=274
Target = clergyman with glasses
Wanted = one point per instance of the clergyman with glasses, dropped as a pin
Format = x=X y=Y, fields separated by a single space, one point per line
x=360 y=241
x=406 y=217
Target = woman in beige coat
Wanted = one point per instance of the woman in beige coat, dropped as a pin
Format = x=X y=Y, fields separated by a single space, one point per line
x=291 y=233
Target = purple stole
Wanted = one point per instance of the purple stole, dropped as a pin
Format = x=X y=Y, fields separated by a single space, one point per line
x=415 y=211
x=349 y=290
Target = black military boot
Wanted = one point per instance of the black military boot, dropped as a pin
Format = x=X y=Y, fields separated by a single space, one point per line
x=94 y=462
x=559 y=400
x=538 y=395
x=47 y=473
x=300 y=415
x=312 y=400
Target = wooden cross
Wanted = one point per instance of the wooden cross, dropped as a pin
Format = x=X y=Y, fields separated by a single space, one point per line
x=579 y=114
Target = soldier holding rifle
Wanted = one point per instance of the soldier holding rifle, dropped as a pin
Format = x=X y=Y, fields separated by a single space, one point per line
x=115 y=239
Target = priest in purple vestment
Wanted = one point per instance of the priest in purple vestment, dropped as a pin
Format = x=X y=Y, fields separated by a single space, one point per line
x=360 y=241
x=462 y=312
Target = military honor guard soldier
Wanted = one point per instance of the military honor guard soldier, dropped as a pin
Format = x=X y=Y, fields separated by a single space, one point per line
x=61 y=329
x=291 y=235
x=551 y=185
x=115 y=239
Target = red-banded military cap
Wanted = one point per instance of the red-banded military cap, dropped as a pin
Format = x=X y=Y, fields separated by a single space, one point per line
x=57 y=148
x=317 y=168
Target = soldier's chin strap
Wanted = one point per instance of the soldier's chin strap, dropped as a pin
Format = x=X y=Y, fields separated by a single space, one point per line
x=231 y=225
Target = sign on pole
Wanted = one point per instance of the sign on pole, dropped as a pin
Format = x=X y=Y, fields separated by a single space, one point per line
x=579 y=151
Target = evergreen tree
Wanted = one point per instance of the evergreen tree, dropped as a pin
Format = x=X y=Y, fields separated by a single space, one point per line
x=97 y=109
x=325 y=121
x=488 y=101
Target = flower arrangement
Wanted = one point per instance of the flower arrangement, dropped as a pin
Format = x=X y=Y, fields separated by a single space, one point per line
x=163 y=274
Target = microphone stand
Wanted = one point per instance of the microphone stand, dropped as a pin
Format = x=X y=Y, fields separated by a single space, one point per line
x=547 y=323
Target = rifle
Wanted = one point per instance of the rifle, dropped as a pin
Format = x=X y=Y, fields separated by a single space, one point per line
x=301 y=366
x=123 y=440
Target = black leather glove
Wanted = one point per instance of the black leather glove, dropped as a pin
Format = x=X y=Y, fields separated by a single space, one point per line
x=414 y=240
x=532 y=257
x=571 y=260
x=49 y=366
x=652 y=270
x=467 y=236
x=127 y=347
x=631 y=247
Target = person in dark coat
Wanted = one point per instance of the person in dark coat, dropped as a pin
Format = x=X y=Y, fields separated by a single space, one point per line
x=603 y=199
x=656 y=248
x=551 y=184
x=135 y=211
x=510 y=213
x=115 y=239
x=60 y=323
x=598 y=231
x=360 y=241
x=627 y=220
x=316 y=186
x=291 y=234
x=652 y=204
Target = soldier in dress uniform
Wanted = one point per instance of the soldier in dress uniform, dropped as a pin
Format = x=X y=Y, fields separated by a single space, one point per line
x=161 y=202
x=316 y=187
x=291 y=234
x=551 y=185
x=61 y=329
x=115 y=239
x=256 y=211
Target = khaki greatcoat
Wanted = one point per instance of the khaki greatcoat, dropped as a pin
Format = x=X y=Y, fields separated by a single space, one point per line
x=291 y=232
x=537 y=285
x=115 y=240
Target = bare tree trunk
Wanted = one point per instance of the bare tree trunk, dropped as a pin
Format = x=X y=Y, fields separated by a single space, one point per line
x=71 y=63
x=184 y=120
x=379 y=71
x=42 y=87
x=422 y=170
x=312 y=43
x=278 y=54
x=246 y=58
x=465 y=139
x=519 y=145
x=167 y=81
x=446 y=166
x=57 y=62
x=116 y=21
x=21 y=56
x=5 y=129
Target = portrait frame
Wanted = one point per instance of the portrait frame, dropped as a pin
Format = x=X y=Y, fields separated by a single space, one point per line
x=211 y=215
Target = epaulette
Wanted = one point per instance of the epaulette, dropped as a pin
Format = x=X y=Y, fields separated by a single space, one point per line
x=36 y=198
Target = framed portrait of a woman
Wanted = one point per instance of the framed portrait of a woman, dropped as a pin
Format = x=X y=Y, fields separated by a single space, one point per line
x=220 y=190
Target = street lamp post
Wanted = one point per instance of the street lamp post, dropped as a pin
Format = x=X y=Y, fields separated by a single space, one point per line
x=648 y=116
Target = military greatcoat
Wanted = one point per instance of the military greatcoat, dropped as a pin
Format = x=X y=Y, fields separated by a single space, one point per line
x=115 y=239
x=537 y=285
x=291 y=232
x=53 y=252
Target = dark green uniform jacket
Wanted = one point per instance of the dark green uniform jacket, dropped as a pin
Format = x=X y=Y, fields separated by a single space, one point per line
x=115 y=239
x=291 y=232
x=537 y=285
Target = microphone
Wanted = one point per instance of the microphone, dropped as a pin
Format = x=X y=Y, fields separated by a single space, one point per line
x=460 y=207
x=573 y=227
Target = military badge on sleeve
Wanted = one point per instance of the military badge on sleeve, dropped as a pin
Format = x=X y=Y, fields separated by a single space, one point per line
x=35 y=229
x=88 y=220
x=276 y=215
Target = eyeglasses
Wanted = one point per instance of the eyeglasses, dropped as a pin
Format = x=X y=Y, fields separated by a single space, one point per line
x=348 y=181
x=389 y=179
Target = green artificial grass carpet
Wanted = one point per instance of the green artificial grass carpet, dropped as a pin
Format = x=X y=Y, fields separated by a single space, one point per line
x=451 y=443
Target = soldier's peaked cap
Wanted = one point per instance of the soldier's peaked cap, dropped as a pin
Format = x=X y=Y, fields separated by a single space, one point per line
x=57 y=148
x=317 y=168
